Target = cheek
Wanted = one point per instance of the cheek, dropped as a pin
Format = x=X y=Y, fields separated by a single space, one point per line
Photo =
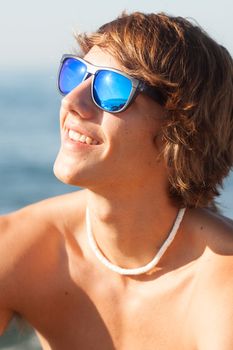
x=130 y=135
x=112 y=127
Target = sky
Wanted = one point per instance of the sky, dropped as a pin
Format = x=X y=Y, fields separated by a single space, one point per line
x=34 y=34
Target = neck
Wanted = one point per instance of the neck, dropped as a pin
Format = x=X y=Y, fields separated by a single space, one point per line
x=129 y=228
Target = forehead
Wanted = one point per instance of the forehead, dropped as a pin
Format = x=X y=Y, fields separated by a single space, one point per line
x=100 y=57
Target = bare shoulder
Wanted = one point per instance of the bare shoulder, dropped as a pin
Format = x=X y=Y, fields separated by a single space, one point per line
x=214 y=282
x=215 y=236
x=22 y=229
x=38 y=216
x=212 y=231
x=31 y=239
x=34 y=221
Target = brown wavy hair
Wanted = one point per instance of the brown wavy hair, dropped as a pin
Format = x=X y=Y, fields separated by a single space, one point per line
x=194 y=75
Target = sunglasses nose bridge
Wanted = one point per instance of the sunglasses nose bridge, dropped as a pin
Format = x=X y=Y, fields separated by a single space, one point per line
x=91 y=69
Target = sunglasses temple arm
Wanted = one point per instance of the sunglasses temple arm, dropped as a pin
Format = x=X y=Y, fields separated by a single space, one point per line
x=152 y=92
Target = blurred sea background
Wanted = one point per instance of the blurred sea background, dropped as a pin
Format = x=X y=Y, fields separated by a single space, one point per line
x=33 y=37
x=29 y=138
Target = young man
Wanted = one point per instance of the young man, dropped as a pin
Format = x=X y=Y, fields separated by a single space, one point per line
x=136 y=260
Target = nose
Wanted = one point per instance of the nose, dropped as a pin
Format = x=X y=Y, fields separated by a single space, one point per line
x=79 y=101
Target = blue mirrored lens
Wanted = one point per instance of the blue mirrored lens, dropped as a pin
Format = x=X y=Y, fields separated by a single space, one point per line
x=111 y=90
x=72 y=73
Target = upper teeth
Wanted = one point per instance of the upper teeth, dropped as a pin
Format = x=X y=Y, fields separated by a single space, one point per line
x=76 y=136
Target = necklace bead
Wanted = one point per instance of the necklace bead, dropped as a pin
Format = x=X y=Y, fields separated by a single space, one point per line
x=134 y=271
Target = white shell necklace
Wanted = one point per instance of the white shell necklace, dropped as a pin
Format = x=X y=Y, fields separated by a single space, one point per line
x=139 y=270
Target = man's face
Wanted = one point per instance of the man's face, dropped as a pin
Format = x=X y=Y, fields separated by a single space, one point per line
x=121 y=149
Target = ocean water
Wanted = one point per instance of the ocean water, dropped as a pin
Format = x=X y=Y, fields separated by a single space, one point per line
x=29 y=141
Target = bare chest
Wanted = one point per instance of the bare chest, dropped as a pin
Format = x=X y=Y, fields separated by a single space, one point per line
x=104 y=316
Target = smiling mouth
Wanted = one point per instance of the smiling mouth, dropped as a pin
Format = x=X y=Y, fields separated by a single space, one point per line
x=77 y=137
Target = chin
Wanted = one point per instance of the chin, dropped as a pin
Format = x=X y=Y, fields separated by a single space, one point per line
x=64 y=170
x=63 y=176
x=71 y=171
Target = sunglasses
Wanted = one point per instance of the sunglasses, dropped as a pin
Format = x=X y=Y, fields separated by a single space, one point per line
x=111 y=90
